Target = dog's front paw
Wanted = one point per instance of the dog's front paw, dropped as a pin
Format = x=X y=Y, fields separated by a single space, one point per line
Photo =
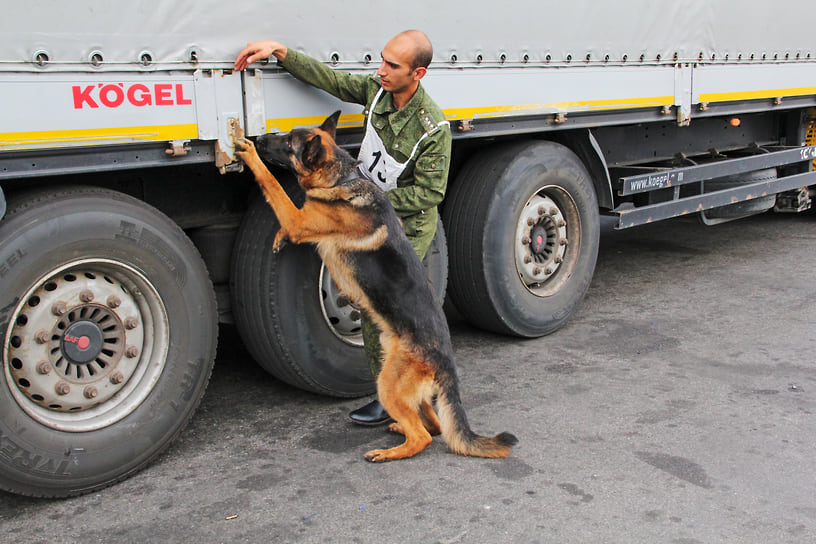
x=243 y=147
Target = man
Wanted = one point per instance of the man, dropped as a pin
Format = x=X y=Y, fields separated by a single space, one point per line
x=406 y=148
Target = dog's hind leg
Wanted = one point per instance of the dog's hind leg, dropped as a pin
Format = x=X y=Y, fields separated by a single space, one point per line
x=429 y=420
x=401 y=386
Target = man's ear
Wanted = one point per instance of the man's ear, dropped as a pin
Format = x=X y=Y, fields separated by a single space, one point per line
x=419 y=73
x=330 y=124
x=313 y=152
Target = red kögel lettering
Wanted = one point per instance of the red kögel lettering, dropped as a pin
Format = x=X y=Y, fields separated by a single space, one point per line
x=139 y=95
x=180 y=100
x=164 y=96
x=114 y=95
x=83 y=96
x=105 y=93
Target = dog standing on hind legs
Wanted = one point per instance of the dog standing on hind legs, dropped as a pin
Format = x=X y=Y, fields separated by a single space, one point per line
x=359 y=237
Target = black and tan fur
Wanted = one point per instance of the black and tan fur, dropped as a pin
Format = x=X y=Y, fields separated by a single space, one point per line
x=361 y=241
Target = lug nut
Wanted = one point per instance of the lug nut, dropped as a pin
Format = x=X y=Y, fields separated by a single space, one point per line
x=354 y=315
x=563 y=242
x=536 y=271
x=59 y=308
x=527 y=259
x=548 y=270
x=526 y=240
x=541 y=210
x=114 y=301
x=530 y=221
x=131 y=323
x=41 y=337
x=62 y=388
x=116 y=378
x=553 y=211
x=560 y=223
x=131 y=352
x=90 y=392
x=558 y=260
x=43 y=367
x=86 y=295
x=342 y=301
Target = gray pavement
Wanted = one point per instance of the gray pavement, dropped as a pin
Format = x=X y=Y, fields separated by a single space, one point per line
x=676 y=406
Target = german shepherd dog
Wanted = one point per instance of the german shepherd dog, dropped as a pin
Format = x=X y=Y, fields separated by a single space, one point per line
x=363 y=245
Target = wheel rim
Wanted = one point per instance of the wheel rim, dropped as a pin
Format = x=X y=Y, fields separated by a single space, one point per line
x=341 y=315
x=547 y=239
x=86 y=345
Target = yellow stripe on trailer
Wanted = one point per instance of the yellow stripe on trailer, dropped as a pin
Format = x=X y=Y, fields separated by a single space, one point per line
x=76 y=137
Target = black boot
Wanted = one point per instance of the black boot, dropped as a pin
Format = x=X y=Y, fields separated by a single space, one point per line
x=371 y=414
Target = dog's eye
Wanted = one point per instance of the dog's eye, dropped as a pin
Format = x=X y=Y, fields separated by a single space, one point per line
x=289 y=143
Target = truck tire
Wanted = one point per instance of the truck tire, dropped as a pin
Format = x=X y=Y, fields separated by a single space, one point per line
x=740 y=209
x=292 y=318
x=109 y=329
x=523 y=229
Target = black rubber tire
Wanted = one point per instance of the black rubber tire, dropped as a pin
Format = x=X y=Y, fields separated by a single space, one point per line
x=276 y=308
x=746 y=208
x=92 y=229
x=481 y=215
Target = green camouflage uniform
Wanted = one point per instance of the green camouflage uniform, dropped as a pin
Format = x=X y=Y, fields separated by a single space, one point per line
x=421 y=186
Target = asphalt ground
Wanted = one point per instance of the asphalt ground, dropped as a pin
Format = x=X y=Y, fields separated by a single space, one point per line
x=677 y=405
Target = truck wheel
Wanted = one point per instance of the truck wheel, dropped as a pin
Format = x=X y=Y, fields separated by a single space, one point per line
x=109 y=329
x=740 y=209
x=523 y=226
x=291 y=316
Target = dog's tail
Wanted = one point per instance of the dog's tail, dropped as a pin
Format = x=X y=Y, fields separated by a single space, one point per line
x=455 y=428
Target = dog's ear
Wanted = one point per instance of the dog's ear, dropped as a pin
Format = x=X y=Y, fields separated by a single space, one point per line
x=330 y=124
x=314 y=153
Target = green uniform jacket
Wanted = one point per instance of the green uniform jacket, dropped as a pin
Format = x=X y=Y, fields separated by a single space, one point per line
x=421 y=187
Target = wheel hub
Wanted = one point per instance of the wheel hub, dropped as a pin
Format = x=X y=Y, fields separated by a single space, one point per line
x=81 y=343
x=541 y=240
x=69 y=353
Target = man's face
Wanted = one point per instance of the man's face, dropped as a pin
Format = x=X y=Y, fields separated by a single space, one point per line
x=395 y=70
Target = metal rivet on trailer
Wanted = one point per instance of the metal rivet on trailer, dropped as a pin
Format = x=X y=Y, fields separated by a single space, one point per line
x=367 y=58
x=569 y=58
x=625 y=58
x=96 y=58
x=658 y=57
x=479 y=58
x=548 y=58
x=502 y=58
x=588 y=57
x=41 y=57
x=453 y=58
x=146 y=58
x=526 y=58
x=335 y=57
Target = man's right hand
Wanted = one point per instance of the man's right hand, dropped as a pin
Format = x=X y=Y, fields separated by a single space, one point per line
x=256 y=51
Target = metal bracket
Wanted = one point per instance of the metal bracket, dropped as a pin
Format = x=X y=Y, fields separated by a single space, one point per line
x=178 y=148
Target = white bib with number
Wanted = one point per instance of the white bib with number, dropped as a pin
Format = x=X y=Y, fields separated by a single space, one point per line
x=375 y=162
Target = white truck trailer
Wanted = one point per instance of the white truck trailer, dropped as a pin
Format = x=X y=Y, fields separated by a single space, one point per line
x=127 y=229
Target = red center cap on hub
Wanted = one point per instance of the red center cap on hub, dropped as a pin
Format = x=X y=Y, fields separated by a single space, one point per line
x=83 y=342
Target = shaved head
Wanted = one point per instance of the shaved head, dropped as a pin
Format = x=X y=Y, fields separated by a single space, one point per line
x=421 y=46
